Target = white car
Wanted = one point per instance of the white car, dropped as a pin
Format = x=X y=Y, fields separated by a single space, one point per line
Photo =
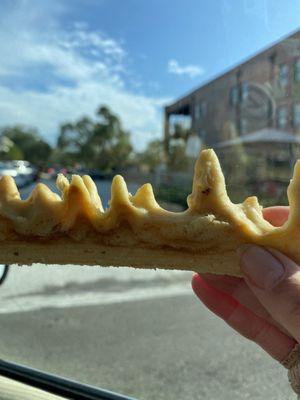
x=25 y=169
x=8 y=169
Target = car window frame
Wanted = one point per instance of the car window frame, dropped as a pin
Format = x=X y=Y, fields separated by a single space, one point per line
x=56 y=385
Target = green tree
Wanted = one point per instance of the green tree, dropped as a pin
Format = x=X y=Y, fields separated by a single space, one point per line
x=102 y=144
x=177 y=159
x=120 y=152
x=14 y=153
x=110 y=142
x=180 y=132
x=74 y=141
x=153 y=156
x=28 y=144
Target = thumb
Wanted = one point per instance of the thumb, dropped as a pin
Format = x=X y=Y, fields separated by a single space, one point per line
x=275 y=280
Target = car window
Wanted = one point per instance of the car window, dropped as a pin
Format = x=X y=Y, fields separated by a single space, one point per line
x=138 y=89
x=12 y=390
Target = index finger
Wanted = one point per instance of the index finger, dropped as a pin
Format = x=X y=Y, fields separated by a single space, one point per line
x=276 y=215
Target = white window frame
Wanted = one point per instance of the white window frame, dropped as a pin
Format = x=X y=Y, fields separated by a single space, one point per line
x=283 y=75
x=244 y=91
x=200 y=109
x=234 y=95
x=296 y=115
x=297 y=70
x=282 y=117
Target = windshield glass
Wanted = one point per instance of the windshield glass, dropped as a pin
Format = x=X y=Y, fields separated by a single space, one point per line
x=138 y=88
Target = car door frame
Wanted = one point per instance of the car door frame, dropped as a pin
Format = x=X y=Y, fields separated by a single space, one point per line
x=56 y=385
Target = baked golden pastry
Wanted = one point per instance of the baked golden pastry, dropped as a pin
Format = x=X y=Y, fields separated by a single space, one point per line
x=135 y=231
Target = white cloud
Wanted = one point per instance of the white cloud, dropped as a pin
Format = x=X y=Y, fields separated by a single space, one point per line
x=50 y=76
x=191 y=70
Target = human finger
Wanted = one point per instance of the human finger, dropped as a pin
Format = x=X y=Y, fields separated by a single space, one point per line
x=271 y=339
x=276 y=215
x=240 y=291
x=275 y=280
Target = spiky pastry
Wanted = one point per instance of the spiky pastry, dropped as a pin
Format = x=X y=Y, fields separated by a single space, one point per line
x=135 y=231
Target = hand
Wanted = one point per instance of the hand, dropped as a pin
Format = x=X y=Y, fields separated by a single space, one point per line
x=264 y=306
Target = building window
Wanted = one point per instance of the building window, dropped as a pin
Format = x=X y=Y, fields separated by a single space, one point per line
x=234 y=96
x=200 y=109
x=282 y=117
x=239 y=93
x=284 y=75
x=296 y=115
x=244 y=91
x=297 y=70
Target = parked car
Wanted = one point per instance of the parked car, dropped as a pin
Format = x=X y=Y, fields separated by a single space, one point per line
x=53 y=171
x=27 y=170
x=7 y=168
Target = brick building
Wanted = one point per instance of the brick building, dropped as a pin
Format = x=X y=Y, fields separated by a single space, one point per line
x=262 y=92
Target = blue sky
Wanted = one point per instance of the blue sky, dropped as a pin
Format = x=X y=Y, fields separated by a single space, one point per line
x=61 y=59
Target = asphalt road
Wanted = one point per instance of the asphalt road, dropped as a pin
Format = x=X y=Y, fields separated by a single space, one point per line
x=141 y=333
x=167 y=348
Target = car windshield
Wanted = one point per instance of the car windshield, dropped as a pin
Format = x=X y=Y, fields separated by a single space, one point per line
x=138 y=89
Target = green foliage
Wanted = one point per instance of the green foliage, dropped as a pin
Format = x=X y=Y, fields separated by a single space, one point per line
x=178 y=160
x=153 y=156
x=14 y=153
x=28 y=144
x=101 y=144
x=180 y=132
x=74 y=142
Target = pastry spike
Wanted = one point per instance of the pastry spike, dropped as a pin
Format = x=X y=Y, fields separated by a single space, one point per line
x=41 y=193
x=76 y=194
x=39 y=213
x=119 y=194
x=209 y=191
x=293 y=193
x=252 y=202
x=92 y=189
x=253 y=211
x=144 y=198
x=62 y=184
x=9 y=198
x=77 y=202
x=8 y=189
x=78 y=185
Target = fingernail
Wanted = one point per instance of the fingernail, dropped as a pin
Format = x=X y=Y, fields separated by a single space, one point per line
x=260 y=266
